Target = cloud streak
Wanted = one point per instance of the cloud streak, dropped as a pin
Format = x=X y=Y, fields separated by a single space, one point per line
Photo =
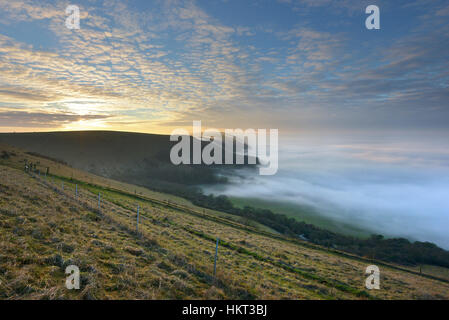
x=22 y=119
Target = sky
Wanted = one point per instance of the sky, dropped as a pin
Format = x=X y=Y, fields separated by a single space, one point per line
x=153 y=66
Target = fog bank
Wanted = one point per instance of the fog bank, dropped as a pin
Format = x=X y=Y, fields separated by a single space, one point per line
x=395 y=185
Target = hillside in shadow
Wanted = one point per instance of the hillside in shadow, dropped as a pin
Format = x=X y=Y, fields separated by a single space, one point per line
x=137 y=158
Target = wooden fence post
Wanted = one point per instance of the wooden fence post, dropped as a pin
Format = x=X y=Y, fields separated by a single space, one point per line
x=137 y=222
x=216 y=256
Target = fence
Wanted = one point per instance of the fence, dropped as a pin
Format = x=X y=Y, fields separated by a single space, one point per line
x=77 y=197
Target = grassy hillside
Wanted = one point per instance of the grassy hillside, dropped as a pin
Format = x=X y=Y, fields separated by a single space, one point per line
x=44 y=228
x=143 y=159
x=64 y=170
x=106 y=153
x=157 y=173
x=131 y=157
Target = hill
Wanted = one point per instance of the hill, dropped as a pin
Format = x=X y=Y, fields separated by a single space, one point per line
x=131 y=157
x=44 y=227
x=126 y=157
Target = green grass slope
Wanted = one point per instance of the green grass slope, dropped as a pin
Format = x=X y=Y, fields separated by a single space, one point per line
x=302 y=213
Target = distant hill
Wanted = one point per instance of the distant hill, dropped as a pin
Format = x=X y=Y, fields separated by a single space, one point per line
x=136 y=158
x=105 y=152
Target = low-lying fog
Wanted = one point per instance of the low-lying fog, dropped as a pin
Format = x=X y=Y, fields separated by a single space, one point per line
x=388 y=184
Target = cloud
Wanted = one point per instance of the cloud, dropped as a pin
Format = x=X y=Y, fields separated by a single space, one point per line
x=178 y=61
x=23 y=119
x=11 y=94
